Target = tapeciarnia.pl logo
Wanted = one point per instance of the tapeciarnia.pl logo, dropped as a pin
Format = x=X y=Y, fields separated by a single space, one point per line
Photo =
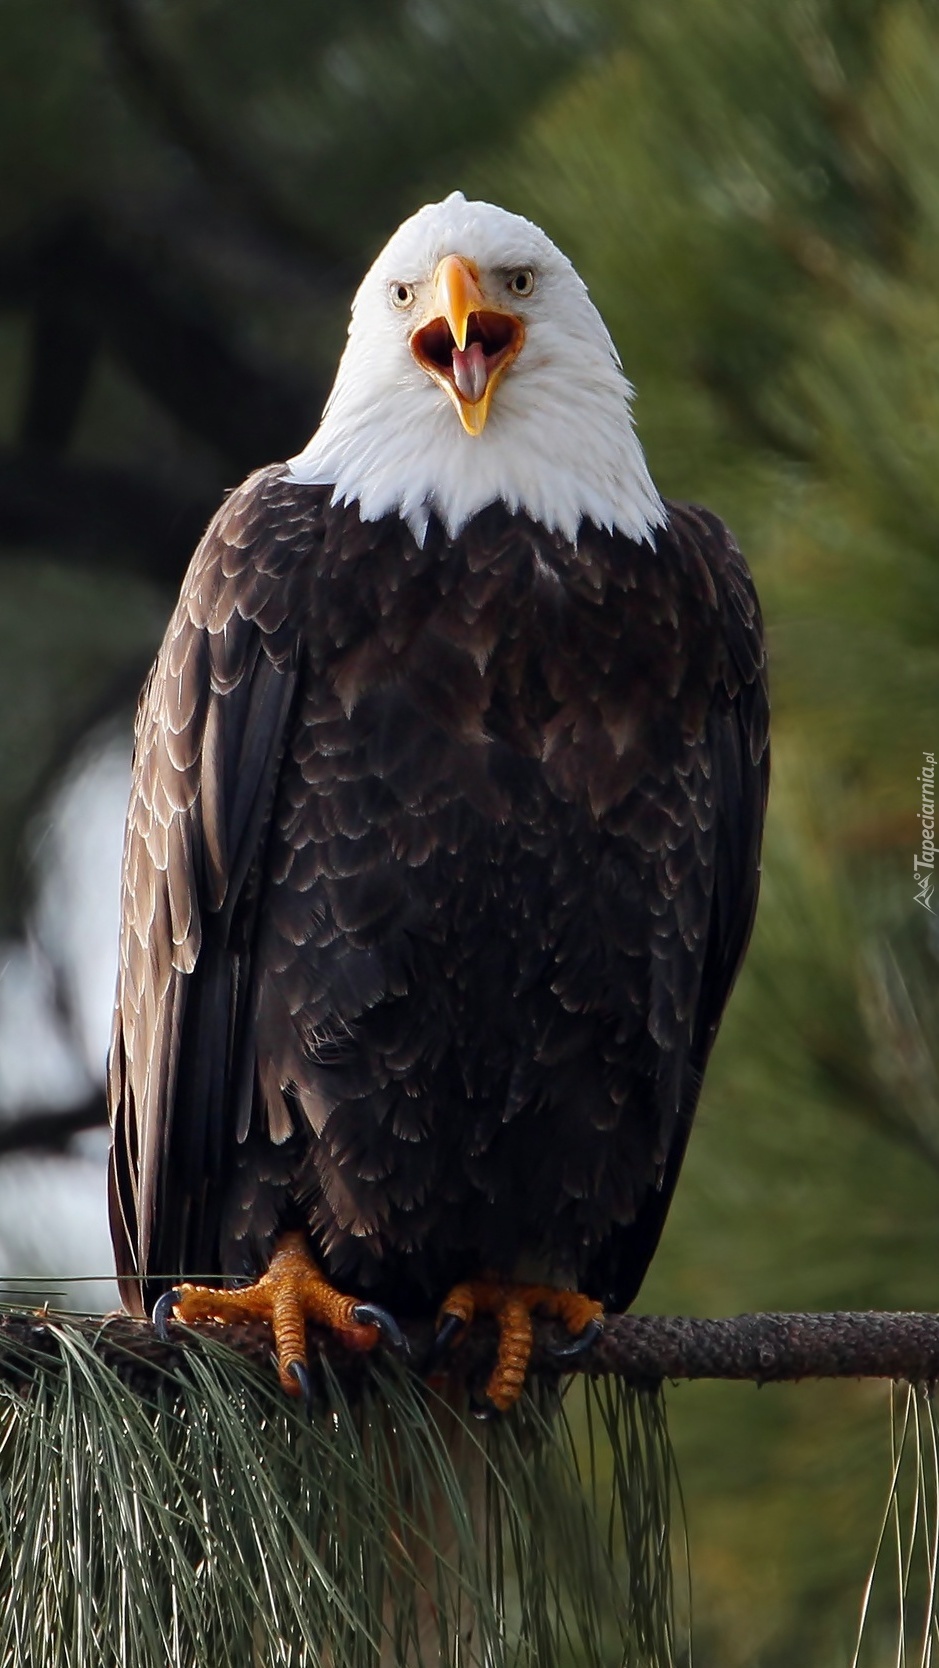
x=924 y=864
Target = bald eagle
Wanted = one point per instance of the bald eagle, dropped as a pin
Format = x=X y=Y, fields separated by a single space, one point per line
x=443 y=843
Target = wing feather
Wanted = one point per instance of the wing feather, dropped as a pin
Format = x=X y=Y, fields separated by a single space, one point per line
x=209 y=741
x=728 y=809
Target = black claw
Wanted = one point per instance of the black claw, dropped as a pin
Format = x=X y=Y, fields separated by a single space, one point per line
x=449 y=1328
x=297 y=1370
x=482 y=1408
x=372 y=1314
x=577 y=1346
x=163 y=1312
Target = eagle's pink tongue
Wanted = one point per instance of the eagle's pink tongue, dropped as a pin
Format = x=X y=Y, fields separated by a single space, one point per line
x=469 y=371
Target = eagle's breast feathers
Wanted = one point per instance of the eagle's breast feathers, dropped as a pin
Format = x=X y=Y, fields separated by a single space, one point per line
x=440 y=862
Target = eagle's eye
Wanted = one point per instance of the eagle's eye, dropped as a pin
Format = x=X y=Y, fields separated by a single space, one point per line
x=522 y=282
x=402 y=295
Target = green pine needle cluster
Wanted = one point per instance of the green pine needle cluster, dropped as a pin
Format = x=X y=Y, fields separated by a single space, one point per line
x=208 y=1521
x=906 y=1559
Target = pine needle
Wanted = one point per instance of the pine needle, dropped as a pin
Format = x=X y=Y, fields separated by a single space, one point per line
x=210 y=1522
x=910 y=1524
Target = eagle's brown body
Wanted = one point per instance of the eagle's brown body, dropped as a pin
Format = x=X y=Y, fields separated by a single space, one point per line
x=440 y=865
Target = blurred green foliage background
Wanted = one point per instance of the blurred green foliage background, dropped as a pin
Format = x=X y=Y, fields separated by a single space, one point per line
x=189 y=192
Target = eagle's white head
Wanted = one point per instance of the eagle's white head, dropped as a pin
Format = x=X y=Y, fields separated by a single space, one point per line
x=478 y=370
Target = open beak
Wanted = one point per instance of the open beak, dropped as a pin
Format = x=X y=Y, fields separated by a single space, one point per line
x=466 y=345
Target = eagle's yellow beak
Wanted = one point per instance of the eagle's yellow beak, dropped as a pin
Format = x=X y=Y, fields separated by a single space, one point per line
x=466 y=343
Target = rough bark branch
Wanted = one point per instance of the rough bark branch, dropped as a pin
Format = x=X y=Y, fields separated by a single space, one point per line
x=644 y=1350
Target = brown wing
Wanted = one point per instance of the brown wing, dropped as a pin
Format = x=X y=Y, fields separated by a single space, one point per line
x=734 y=751
x=209 y=740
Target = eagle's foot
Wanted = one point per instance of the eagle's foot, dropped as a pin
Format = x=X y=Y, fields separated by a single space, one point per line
x=294 y=1290
x=512 y=1305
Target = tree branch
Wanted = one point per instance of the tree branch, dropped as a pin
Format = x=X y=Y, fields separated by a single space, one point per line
x=169 y=334
x=107 y=514
x=51 y=1132
x=770 y=1348
x=158 y=84
x=641 y=1349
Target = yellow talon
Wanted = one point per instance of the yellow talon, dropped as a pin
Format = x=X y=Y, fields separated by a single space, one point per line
x=512 y=1306
x=294 y=1290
